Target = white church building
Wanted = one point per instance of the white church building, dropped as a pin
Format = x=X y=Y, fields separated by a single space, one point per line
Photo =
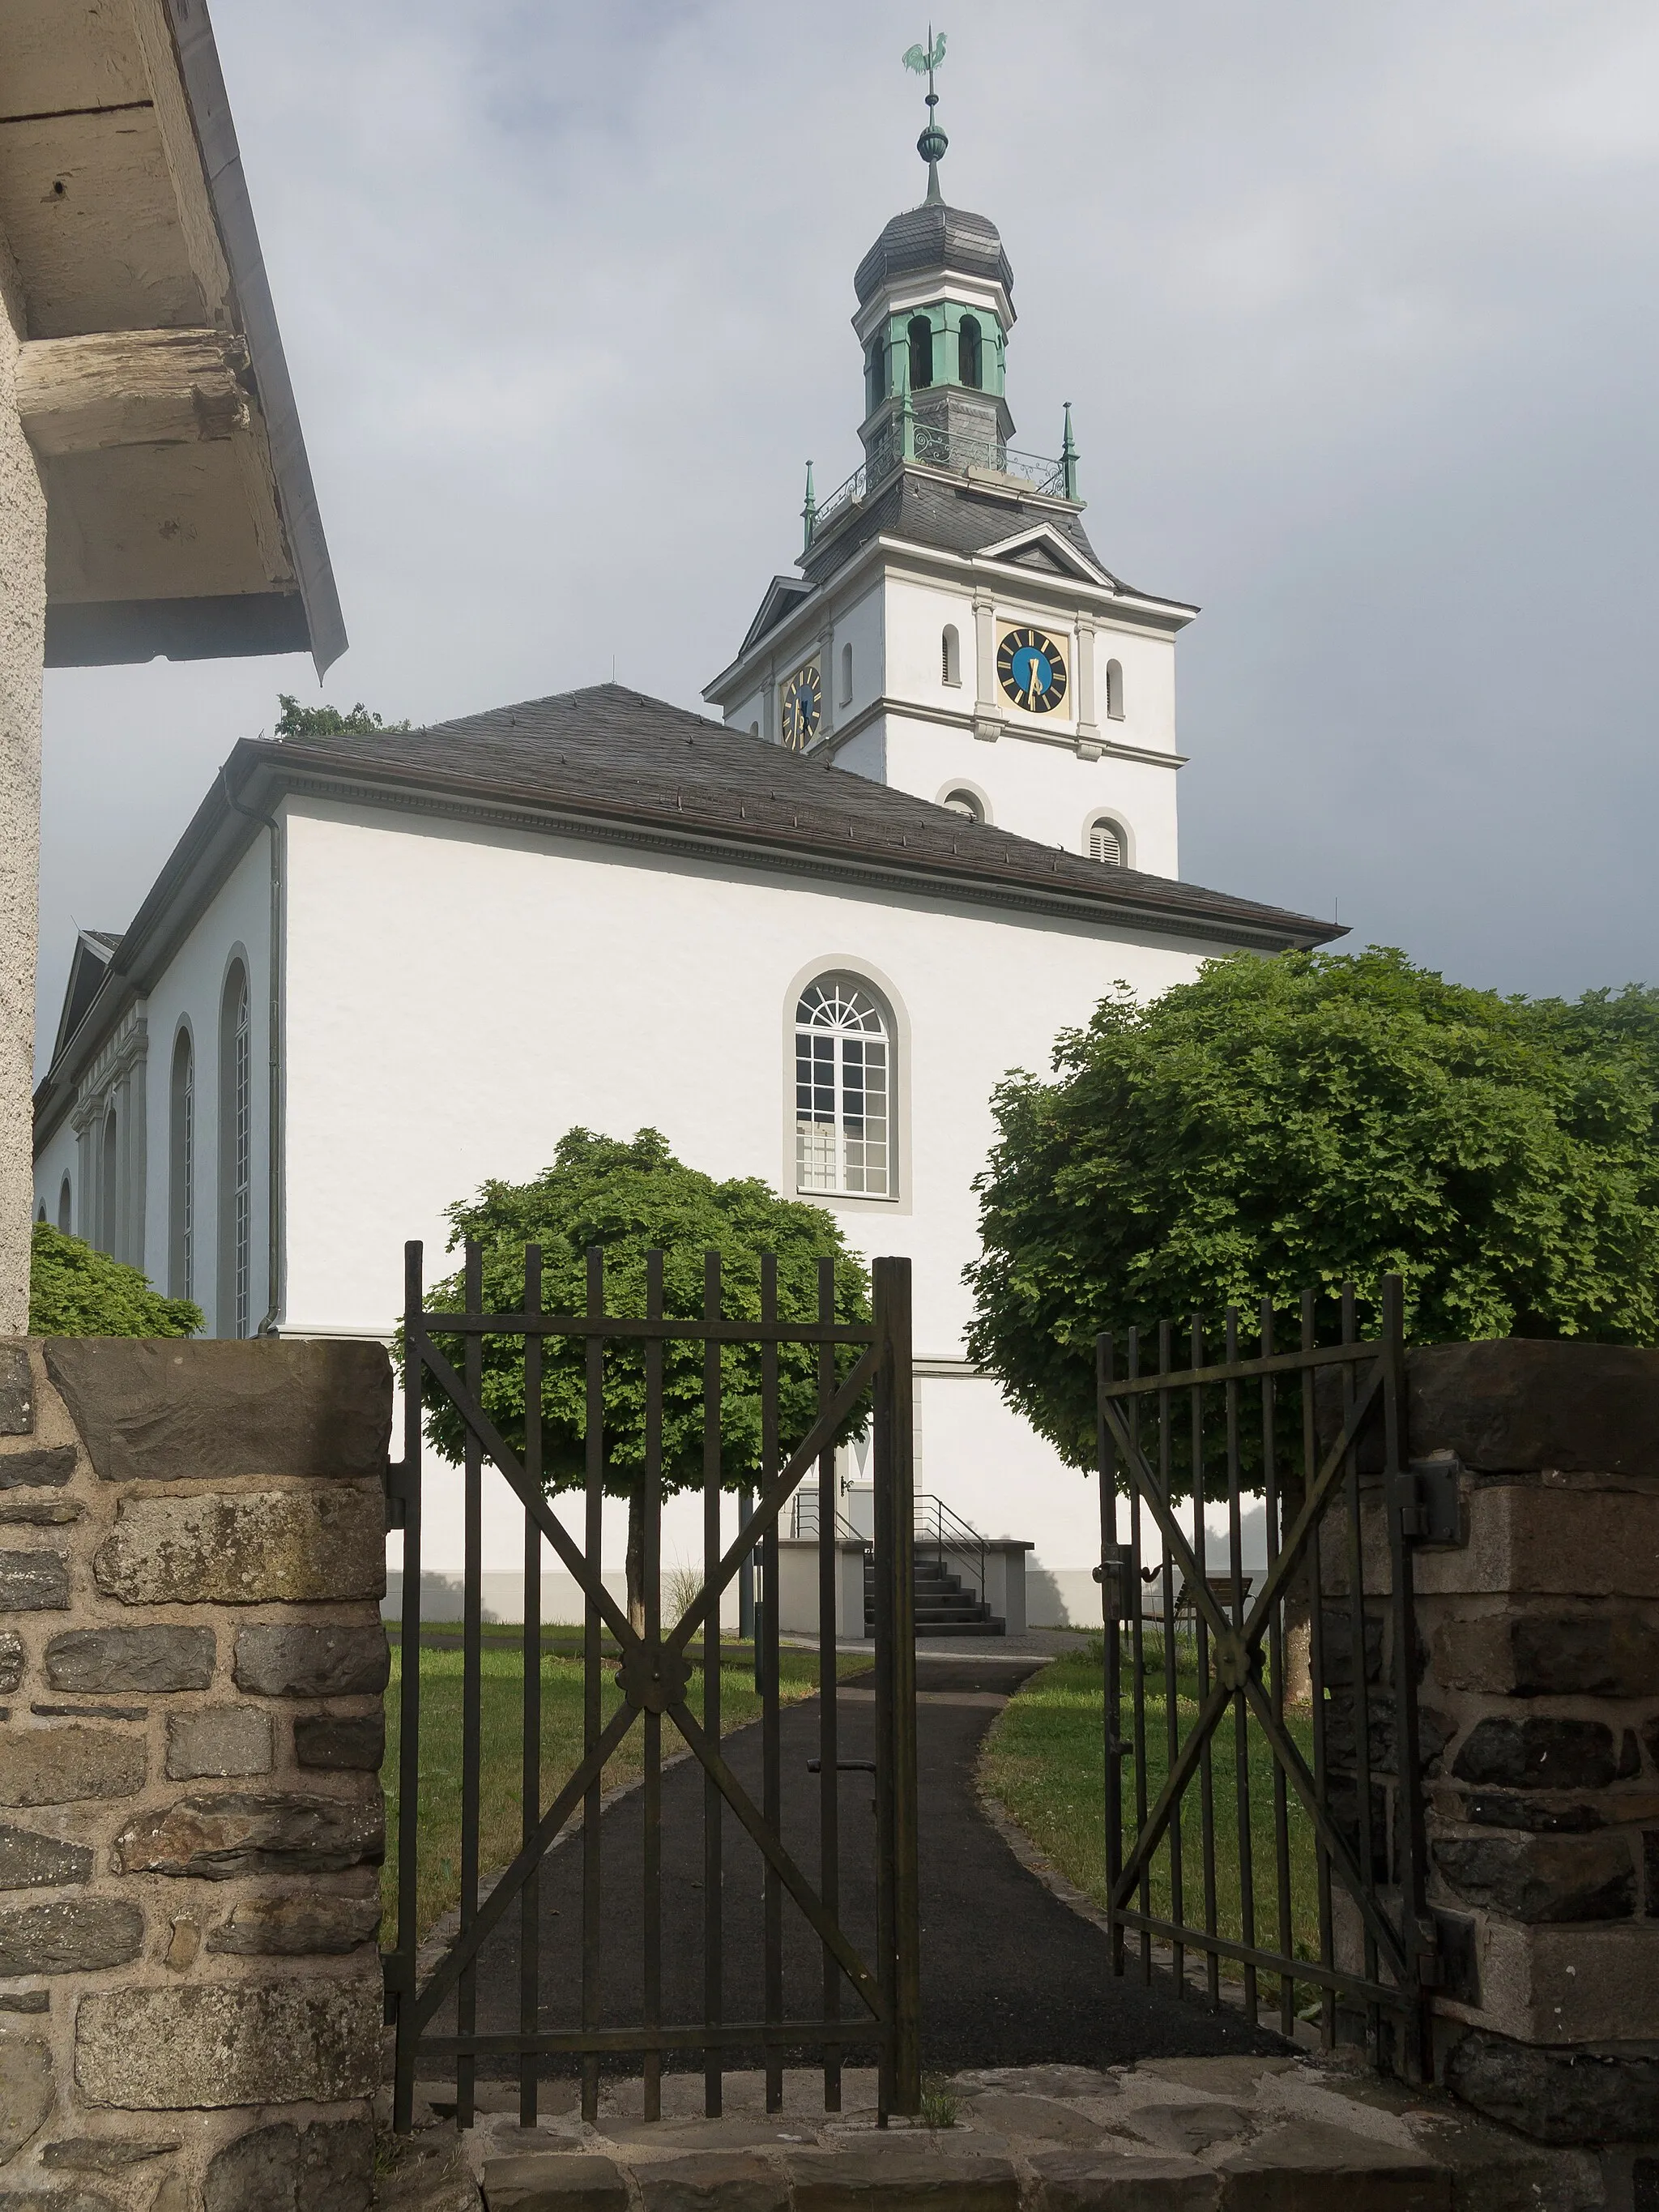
x=935 y=822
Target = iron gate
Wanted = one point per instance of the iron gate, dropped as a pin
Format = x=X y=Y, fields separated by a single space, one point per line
x=1312 y=1656
x=435 y=2014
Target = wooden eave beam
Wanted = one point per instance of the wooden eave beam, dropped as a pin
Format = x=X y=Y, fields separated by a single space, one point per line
x=81 y=395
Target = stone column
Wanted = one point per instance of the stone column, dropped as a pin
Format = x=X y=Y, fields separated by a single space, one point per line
x=1539 y=1646
x=1088 y=727
x=22 y=657
x=987 y=710
x=192 y=1553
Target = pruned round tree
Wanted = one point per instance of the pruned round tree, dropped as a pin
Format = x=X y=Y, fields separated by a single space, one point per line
x=626 y=1200
x=1306 y=1121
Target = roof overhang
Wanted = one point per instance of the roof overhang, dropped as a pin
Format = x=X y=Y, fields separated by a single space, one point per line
x=260 y=774
x=181 y=519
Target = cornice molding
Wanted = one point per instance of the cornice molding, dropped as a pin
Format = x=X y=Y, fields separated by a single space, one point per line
x=1111 y=608
x=964 y=718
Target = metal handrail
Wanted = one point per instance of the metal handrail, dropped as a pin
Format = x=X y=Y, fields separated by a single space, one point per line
x=804 y=1521
x=937 y=1526
x=941 y=449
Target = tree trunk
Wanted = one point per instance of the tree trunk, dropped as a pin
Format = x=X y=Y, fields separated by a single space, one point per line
x=1299 y=1645
x=635 y=1558
x=1296 y=1619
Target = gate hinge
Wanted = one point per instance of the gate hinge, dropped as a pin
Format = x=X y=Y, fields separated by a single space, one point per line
x=1430 y=1502
x=396 y=1494
x=1429 y=1966
x=396 y=1975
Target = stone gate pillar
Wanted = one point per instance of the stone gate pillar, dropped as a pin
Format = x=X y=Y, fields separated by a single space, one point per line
x=192 y=1664
x=1539 y=1637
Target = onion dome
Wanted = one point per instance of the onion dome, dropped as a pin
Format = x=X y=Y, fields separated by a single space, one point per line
x=933 y=237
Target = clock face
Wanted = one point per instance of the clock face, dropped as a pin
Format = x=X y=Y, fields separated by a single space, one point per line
x=1031 y=670
x=803 y=708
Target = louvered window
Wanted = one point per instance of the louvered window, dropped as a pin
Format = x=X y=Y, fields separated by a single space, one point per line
x=1106 y=843
x=843 y=1090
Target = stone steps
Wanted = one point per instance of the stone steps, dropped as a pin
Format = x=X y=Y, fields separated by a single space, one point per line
x=1221 y=2134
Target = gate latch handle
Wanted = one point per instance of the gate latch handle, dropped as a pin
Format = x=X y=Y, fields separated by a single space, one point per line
x=1429 y=1501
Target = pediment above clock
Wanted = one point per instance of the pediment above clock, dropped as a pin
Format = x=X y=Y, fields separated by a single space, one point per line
x=783 y=595
x=1043 y=549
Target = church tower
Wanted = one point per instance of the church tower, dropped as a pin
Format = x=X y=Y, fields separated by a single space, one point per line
x=952 y=630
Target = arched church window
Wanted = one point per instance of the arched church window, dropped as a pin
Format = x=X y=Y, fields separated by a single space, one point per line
x=235 y=1295
x=846 y=676
x=965 y=803
x=969 y=352
x=108 y=1212
x=1107 y=841
x=876 y=369
x=950 y=654
x=1114 y=689
x=843 y=1090
x=922 y=353
x=182 y=1171
x=66 y=1206
x=40 y=1213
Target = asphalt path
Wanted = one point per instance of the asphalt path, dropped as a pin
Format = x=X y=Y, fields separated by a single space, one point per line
x=1010 y=1975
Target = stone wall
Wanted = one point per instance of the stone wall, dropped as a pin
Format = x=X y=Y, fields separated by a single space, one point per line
x=192 y=1664
x=22 y=658
x=1539 y=1637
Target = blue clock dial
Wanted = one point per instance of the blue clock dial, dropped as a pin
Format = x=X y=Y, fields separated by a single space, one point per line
x=1031 y=670
x=803 y=708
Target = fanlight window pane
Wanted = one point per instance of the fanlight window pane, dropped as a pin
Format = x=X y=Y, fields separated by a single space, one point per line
x=842 y=1091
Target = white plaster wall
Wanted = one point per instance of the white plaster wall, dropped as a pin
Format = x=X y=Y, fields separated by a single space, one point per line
x=424 y=1057
x=917 y=613
x=59 y=1158
x=189 y=989
x=860 y=625
x=1032 y=776
x=865 y=754
x=991 y=1466
x=1038 y=789
x=750 y=712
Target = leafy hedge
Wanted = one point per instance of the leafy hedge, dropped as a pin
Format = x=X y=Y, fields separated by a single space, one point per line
x=75 y=1291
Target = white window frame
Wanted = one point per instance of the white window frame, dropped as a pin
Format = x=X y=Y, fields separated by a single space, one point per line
x=843 y=1038
x=1102 y=818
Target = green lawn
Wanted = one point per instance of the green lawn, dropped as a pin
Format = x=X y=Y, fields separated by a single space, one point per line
x=500 y=1716
x=1044 y=1762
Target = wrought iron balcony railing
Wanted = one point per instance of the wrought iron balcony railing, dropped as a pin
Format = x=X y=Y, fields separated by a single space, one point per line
x=939 y=448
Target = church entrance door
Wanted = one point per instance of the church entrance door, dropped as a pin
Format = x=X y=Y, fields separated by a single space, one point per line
x=792 y=1964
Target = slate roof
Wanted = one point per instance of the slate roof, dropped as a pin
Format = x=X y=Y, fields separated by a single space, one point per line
x=610 y=754
x=933 y=236
x=930 y=509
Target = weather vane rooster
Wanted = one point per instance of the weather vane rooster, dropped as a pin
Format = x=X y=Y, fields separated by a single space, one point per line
x=933 y=142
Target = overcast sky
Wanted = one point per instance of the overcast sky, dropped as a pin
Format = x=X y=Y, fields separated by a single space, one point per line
x=1356 y=307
